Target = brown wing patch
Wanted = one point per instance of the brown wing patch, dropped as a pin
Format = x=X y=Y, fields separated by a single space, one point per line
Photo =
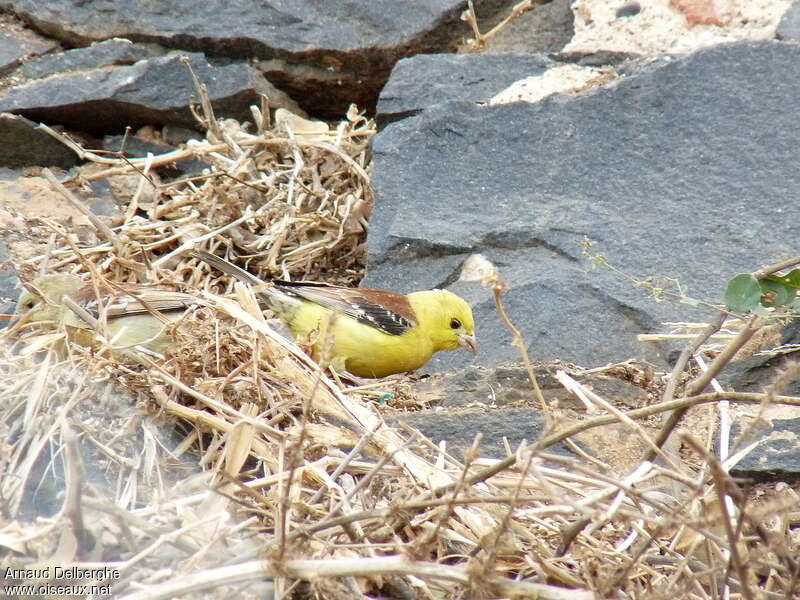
x=397 y=303
x=388 y=311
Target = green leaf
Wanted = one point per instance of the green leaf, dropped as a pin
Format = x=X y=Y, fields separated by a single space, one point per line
x=743 y=293
x=776 y=293
x=792 y=278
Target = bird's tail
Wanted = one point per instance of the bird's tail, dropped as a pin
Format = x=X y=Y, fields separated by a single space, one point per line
x=278 y=300
x=227 y=267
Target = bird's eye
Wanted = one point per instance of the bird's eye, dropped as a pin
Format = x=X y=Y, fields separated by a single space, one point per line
x=455 y=324
x=28 y=305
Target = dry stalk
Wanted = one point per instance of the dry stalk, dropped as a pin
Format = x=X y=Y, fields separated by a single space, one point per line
x=699 y=384
x=723 y=486
x=680 y=404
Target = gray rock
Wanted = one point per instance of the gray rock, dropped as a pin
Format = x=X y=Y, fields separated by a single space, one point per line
x=424 y=80
x=22 y=145
x=547 y=28
x=333 y=53
x=16 y=45
x=155 y=91
x=685 y=169
x=459 y=428
x=757 y=372
x=107 y=53
x=500 y=403
x=789 y=27
x=777 y=455
x=509 y=387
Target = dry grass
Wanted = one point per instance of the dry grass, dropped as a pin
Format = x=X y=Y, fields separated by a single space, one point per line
x=234 y=465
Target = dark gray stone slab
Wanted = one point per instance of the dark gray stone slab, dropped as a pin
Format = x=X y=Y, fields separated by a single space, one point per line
x=22 y=145
x=250 y=29
x=459 y=429
x=16 y=45
x=109 y=52
x=777 y=456
x=155 y=91
x=500 y=403
x=424 y=80
x=510 y=387
x=333 y=53
x=686 y=169
x=789 y=27
x=756 y=372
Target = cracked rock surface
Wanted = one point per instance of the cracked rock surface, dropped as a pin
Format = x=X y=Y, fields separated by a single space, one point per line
x=662 y=185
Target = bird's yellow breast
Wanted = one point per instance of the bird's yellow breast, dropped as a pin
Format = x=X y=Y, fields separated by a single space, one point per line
x=356 y=347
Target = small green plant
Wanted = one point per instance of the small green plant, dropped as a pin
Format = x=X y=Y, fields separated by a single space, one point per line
x=748 y=293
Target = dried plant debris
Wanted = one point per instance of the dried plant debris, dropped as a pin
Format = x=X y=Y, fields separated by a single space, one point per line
x=286 y=204
x=232 y=464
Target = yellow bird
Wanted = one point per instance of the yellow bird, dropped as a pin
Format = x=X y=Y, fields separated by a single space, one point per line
x=136 y=317
x=375 y=333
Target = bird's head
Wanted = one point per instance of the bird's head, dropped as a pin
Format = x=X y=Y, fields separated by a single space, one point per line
x=447 y=318
x=40 y=301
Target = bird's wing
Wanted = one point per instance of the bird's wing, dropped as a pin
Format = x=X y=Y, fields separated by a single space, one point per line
x=227 y=267
x=387 y=311
x=136 y=302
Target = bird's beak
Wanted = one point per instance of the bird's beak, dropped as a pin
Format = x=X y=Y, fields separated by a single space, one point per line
x=468 y=342
x=15 y=322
